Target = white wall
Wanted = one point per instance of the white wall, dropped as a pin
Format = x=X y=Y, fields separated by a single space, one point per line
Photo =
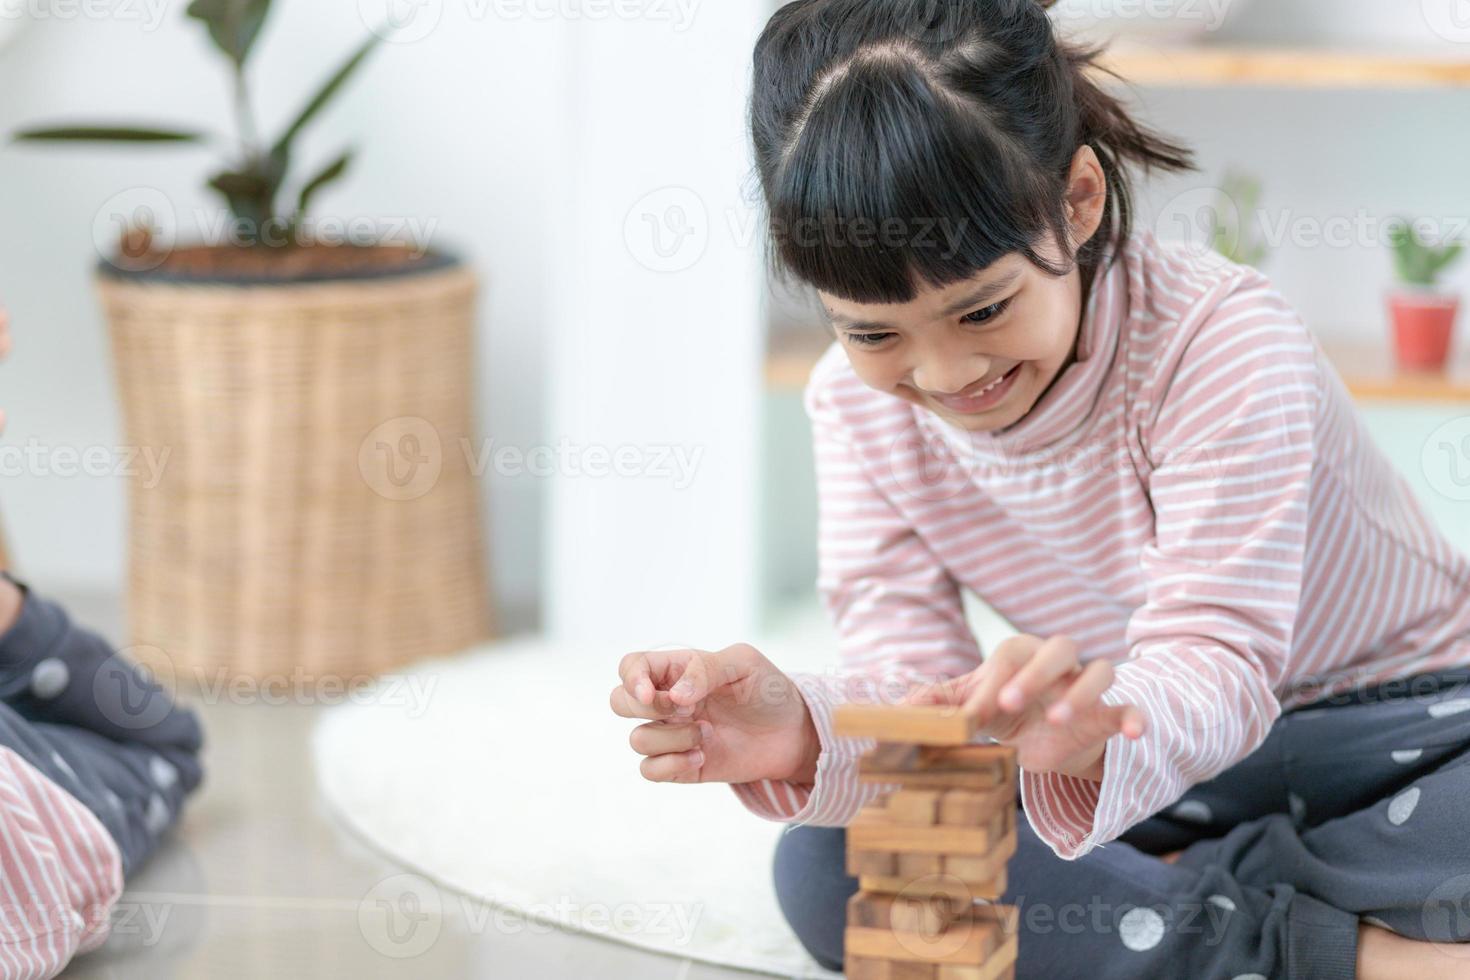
x=658 y=338
x=452 y=129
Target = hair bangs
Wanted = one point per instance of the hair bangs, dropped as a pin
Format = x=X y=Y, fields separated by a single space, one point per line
x=890 y=183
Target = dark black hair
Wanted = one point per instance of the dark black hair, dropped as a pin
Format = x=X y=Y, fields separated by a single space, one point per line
x=899 y=141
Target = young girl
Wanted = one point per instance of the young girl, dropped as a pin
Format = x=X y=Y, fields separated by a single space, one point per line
x=1139 y=456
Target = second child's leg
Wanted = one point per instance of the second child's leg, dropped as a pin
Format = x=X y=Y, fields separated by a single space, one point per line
x=93 y=722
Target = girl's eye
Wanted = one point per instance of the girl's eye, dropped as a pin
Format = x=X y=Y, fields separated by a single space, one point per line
x=994 y=310
x=868 y=339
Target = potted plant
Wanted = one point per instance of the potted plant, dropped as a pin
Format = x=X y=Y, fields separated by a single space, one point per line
x=316 y=512
x=1423 y=314
x=1234 y=232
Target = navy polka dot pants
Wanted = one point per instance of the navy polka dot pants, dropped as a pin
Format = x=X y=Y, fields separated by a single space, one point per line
x=1351 y=809
x=96 y=725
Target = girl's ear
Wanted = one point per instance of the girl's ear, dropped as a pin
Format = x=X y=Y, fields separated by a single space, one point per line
x=1087 y=194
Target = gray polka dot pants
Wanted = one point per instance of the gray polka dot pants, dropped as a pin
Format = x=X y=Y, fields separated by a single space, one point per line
x=1352 y=808
x=93 y=723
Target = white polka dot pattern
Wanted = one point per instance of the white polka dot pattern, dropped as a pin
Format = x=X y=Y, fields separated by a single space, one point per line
x=1141 y=929
x=1401 y=807
x=49 y=678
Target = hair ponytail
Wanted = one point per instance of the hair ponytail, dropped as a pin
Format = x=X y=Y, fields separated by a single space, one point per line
x=909 y=141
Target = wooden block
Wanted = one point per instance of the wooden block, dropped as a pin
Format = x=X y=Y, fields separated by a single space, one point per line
x=936 y=839
x=883 y=863
x=999 y=824
x=926 y=724
x=972 y=808
x=927 y=916
x=959 y=779
x=889 y=757
x=938 y=884
x=874 y=811
x=865 y=968
x=968 y=944
x=868 y=968
x=952 y=757
x=914 y=806
x=979 y=868
x=917 y=865
x=1000 y=966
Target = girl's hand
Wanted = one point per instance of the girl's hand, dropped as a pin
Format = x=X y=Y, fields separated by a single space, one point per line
x=729 y=716
x=1036 y=695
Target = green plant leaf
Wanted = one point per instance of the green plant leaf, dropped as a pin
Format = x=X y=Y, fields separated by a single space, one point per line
x=1417 y=262
x=109 y=134
x=333 y=171
x=233 y=24
x=324 y=96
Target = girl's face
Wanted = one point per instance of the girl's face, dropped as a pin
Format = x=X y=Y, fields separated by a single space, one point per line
x=982 y=352
x=979 y=353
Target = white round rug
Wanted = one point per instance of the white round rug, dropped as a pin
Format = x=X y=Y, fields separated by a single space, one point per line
x=504 y=775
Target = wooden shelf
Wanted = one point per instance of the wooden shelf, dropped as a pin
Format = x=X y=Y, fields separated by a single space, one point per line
x=1205 y=65
x=1368 y=372
x=1371 y=375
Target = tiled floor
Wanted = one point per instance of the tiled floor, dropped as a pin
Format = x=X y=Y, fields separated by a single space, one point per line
x=261 y=881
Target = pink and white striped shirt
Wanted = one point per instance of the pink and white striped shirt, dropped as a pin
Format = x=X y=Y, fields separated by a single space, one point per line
x=60 y=874
x=1195 y=499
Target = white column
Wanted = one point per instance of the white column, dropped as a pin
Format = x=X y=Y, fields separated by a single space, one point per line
x=656 y=333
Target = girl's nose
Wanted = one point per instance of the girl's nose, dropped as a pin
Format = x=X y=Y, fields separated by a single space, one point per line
x=947 y=375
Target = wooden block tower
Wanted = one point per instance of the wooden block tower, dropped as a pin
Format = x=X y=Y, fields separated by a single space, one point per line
x=930 y=857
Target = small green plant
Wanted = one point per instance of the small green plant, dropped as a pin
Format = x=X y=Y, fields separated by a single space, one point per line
x=251 y=183
x=1233 y=233
x=1417 y=262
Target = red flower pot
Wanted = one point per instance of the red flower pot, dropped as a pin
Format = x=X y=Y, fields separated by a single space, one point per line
x=1423 y=325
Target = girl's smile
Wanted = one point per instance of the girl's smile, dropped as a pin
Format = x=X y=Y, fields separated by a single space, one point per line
x=981 y=396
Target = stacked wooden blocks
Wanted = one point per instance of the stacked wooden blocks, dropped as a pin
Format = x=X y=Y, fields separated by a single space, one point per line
x=930 y=856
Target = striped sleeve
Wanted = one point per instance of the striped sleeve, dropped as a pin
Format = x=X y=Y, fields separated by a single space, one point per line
x=1229 y=436
x=60 y=874
x=897 y=612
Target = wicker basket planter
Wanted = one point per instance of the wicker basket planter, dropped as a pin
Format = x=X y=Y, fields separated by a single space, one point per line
x=317 y=514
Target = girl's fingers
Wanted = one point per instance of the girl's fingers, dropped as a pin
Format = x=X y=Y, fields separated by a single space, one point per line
x=674 y=767
x=951 y=690
x=637 y=674
x=1133 y=722
x=1053 y=659
x=1084 y=691
x=999 y=667
x=658 y=738
x=644 y=671
x=1127 y=719
x=625 y=705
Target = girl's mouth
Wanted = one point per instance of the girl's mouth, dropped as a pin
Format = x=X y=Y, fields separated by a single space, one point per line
x=985 y=398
